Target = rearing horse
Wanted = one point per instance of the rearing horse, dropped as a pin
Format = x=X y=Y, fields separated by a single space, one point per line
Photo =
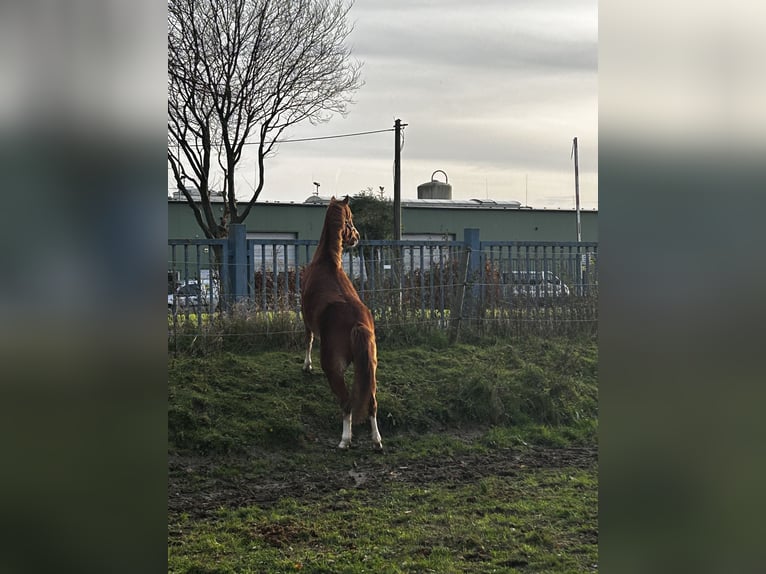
x=333 y=311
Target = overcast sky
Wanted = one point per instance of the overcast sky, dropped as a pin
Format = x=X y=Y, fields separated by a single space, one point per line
x=493 y=92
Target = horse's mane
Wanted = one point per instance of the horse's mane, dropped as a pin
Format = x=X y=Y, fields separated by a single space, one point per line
x=330 y=240
x=334 y=214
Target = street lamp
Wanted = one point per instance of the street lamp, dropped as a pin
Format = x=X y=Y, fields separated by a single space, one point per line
x=316 y=192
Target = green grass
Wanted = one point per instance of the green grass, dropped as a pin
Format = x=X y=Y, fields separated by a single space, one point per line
x=542 y=522
x=475 y=476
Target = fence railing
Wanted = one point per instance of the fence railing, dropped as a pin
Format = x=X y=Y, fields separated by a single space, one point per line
x=427 y=283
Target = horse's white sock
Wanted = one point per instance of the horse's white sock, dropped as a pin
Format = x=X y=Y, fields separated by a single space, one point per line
x=376 y=440
x=345 y=439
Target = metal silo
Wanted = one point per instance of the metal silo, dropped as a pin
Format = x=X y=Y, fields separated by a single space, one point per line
x=435 y=189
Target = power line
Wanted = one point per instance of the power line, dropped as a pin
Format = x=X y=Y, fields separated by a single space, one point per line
x=354 y=134
x=176 y=145
x=329 y=137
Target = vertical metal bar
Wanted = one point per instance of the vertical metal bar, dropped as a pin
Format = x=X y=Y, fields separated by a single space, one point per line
x=390 y=278
x=561 y=264
x=486 y=268
x=545 y=271
x=362 y=273
x=431 y=270
x=201 y=297
x=422 y=284
x=595 y=268
x=536 y=263
x=285 y=249
x=500 y=278
x=515 y=251
x=186 y=274
x=497 y=277
x=173 y=270
x=489 y=270
x=198 y=262
x=263 y=277
x=248 y=269
x=186 y=262
x=527 y=270
x=441 y=285
x=297 y=295
x=581 y=268
x=226 y=282
x=527 y=290
x=275 y=277
x=412 y=302
x=372 y=286
x=505 y=254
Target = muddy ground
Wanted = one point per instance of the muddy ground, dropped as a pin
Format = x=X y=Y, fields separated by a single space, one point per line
x=200 y=486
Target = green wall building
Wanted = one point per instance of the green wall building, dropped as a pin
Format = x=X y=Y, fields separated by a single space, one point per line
x=421 y=219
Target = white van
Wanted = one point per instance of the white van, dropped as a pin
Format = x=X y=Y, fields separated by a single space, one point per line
x=536 y=284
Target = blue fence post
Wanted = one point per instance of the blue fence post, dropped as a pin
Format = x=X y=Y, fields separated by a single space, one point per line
x=237 y=262
x=472 y=240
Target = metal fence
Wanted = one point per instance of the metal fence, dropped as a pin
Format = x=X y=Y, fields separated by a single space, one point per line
x=426 y=283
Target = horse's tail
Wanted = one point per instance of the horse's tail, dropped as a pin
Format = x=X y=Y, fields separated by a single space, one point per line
x=365 y=364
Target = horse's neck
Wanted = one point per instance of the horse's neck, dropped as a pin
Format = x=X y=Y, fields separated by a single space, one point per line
x=330 y=248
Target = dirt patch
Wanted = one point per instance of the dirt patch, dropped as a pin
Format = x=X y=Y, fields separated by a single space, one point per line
x=196 y=486
x=281 y=535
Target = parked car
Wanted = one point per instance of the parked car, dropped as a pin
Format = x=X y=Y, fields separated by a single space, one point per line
x=536 y=284
x=193 y=294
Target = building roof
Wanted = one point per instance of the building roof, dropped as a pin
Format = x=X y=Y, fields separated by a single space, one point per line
x=482 y=204
x=447 y=203
x=496 y=204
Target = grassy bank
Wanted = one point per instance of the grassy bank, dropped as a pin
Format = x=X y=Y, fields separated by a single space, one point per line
x=229 y=403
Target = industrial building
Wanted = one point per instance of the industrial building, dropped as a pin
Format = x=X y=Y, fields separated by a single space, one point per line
x=421 y=219
x=433 y=215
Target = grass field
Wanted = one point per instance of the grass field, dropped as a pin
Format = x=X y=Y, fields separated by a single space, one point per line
x=489 y=463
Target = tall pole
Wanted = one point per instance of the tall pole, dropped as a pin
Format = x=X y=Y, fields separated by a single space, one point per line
x=577 y=189
x=398 y=179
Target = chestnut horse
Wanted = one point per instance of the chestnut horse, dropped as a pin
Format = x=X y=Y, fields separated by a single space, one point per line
x=333 y=311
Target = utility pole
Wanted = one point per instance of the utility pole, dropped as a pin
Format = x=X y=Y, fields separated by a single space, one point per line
x=398 y=125
x=577 y=189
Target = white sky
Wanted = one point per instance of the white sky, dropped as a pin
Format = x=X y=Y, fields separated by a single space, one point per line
x=493 y=92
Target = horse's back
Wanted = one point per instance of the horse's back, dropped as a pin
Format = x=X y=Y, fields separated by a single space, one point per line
x=329 y=298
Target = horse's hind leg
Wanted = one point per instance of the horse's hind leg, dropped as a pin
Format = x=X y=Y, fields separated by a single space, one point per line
x=377 y=442
x=338 y=385
x=339 y=389
x=334 y=371
x=309 y=341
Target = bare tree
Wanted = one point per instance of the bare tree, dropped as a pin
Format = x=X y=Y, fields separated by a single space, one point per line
x=241 y=72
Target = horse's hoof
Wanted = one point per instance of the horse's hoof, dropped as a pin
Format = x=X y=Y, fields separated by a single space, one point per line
x=306 y=370
x=344 y=445
x=377 y=446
